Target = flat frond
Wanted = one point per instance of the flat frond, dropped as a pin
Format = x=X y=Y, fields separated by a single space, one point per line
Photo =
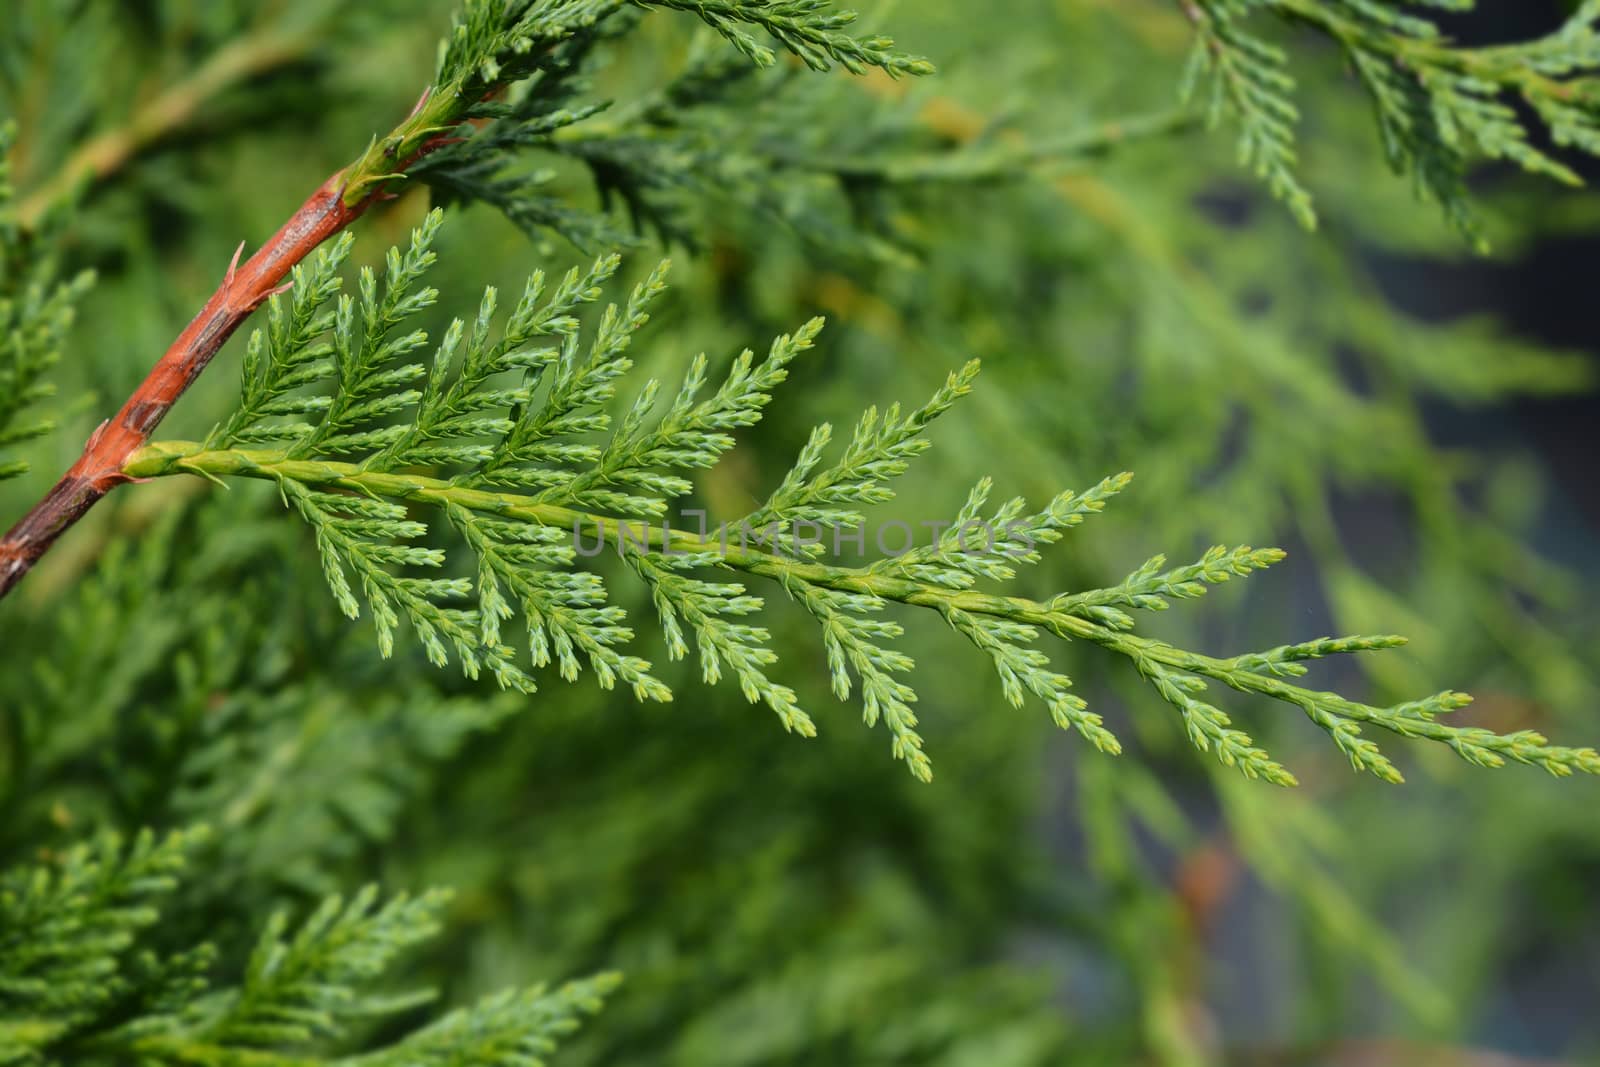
x=77 y=984
x=1440 y=107
x=526 y=466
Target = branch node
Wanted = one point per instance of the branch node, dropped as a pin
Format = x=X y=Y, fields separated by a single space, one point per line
x=233 y=267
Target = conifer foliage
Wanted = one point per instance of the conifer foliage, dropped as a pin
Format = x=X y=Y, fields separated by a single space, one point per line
x=525 y=466
x=79 y=987
x=507 y=494
x=1439 y=106
x=35 y=313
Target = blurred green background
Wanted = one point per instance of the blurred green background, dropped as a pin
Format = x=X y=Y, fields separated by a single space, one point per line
x=1413 y=423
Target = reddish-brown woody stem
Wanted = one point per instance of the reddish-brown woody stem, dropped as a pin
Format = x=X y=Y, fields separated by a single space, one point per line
x=340 y=201
x=243 y=290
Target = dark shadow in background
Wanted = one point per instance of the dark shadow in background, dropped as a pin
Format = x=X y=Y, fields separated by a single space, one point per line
x=1549 y=294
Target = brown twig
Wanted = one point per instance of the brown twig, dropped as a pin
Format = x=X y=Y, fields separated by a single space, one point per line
x=244 y=289
x=337 y=203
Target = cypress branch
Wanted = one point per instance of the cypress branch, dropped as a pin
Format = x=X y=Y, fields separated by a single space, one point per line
x=1440 y=107
x=494 y=43
x=521 y=476
x=453 y=486
x=77 y=985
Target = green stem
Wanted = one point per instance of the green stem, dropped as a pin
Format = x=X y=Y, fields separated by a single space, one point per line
x=1472 y=743
x=1496 y=64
